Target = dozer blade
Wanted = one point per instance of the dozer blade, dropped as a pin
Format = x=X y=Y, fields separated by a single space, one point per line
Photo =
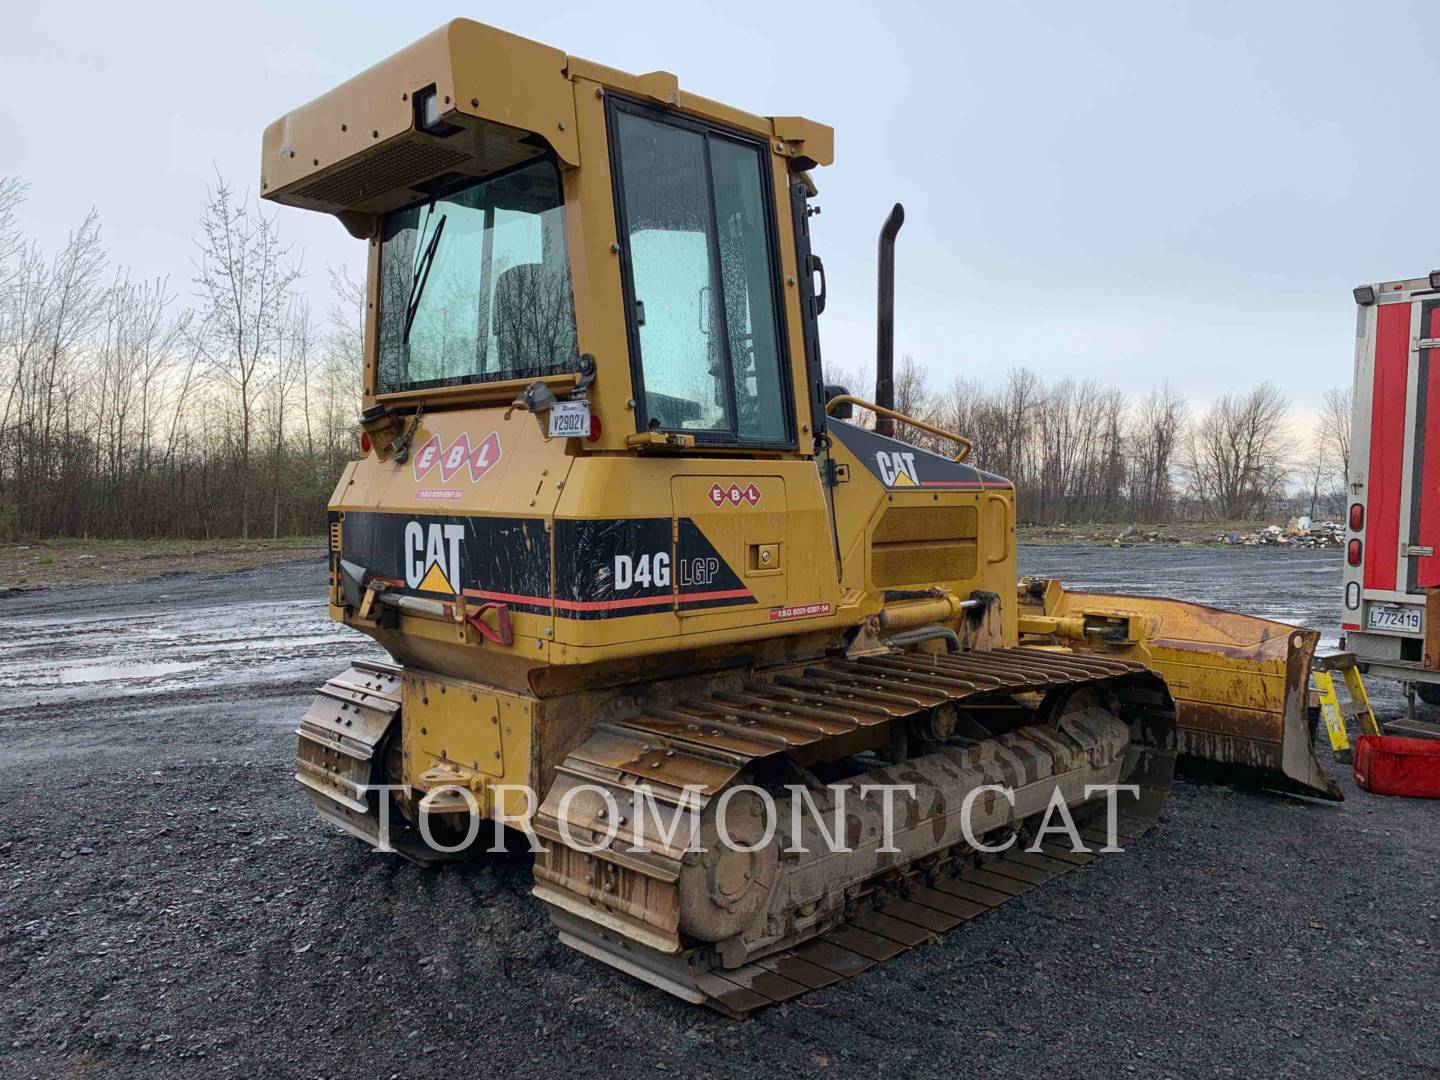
x=1240 y=683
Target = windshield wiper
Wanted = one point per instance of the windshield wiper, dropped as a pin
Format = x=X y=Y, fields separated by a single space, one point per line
x=421 y=276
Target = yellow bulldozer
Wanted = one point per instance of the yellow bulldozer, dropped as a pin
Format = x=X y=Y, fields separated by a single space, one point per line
x=635 y=562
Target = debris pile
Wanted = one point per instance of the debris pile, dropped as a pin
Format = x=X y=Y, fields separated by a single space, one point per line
x=1300 y=532
x=1145 y=535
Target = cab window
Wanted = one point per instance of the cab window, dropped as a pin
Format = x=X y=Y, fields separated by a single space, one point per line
x=700 y=278
x=475 y=285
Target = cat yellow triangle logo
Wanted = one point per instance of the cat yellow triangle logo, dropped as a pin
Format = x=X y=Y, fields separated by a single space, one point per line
x=435 y=581
x=897 y=468
x=432 y=554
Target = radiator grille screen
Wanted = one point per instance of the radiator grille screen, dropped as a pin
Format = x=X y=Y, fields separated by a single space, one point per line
x=923 y=545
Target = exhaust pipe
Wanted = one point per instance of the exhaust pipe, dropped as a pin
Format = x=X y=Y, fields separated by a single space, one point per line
x=885 y=321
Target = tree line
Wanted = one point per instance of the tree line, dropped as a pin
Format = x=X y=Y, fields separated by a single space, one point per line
x=218 y=406
x=224 y=405
x=1081 y=451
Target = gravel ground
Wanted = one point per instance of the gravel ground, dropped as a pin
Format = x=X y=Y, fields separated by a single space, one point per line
x=169 y=904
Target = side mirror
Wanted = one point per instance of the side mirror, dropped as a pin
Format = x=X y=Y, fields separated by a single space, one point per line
x=842 y=412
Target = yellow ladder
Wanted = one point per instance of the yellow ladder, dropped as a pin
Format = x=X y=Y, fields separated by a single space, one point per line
x=1332 y=711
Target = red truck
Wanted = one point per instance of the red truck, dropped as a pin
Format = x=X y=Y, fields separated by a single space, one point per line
x=1391 y=605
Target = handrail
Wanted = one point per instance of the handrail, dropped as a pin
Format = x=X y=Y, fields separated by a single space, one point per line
x=880 y=410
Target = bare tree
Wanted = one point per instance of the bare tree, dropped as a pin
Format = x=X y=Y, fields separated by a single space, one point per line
x=12 y=240
x=912 y=389
x=1325 y=468
x=300 y=335
x=13 y=270
x=341 y=373
x=290 y=381
x=244 y=279
x=1156 y=432
x=129 y=366
x=1337 y=410
x=1236 y=458
x=55 y=306
x=968 y=408
x=345 y=327
x=1315 y=467
x=1019 y=405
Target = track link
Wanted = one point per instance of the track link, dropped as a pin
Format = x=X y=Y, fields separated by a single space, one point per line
x=344 y=737
x=927 y=906
x=624 y=907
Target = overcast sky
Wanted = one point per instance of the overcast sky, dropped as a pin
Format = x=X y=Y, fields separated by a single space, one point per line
x=1132 y=191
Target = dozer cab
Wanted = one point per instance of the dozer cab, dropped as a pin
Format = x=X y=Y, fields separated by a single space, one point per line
x=634 y=560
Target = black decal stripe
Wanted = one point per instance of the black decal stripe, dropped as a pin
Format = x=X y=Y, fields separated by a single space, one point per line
x=507 y=560
x=509 y=556
x=935 y=472
x=587 y=553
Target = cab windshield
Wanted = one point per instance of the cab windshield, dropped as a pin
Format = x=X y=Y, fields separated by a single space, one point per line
x=475 y=285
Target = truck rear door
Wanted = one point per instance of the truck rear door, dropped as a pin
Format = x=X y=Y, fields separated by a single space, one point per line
x=1423 y=454
x=1395 y=471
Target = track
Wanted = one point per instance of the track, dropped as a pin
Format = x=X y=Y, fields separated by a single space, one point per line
x=622 y=901
x=925 y=904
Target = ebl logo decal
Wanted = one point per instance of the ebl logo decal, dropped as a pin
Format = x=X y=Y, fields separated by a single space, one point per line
x=459 y=454
x=719 y=495
x=432 y=557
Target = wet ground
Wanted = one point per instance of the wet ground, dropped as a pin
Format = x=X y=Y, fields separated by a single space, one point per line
x=169 y=904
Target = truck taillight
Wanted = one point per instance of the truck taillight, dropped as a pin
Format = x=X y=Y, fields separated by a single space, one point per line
x=1352 y=595
x=1352 y=553
x=1357 y=517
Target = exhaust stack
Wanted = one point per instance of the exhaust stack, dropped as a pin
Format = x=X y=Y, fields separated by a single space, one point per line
x=885 y=321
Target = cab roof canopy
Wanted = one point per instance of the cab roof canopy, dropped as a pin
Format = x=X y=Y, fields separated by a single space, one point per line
x=466 y=100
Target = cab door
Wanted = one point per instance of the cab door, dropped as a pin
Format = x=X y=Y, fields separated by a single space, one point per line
x=700 y=269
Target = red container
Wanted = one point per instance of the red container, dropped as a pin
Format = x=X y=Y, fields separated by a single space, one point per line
x=1390 y=765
